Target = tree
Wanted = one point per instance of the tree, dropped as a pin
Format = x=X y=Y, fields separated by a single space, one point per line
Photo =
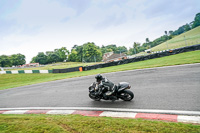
x=134 y=49
x=187 y=27
x=131 y=51
x=121 y=49
x=136 y=45
x=179 y=31
x=113 y=47
x=62 y=53
x=170 y=32
x=73 y=56
x=40 y=58
x=91 y=53
x=75 y=46
x=5 y=61
x=196 y=21
x=58 y=55
x=141 y=48
x=147 y=40
x=79 y=50
x=18 y=59
x=165 y=32
x=33 y=60
x=52 y=57
x=105 y=50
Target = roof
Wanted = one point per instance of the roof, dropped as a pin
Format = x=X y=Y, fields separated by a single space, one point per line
x=115 y=56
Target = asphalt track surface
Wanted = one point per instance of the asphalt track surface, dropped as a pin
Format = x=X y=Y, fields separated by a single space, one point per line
x=164 y=88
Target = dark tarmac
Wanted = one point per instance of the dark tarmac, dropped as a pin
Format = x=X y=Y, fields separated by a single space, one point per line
x=164 y=88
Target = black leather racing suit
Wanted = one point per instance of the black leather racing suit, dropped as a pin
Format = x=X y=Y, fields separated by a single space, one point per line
x=106 y=87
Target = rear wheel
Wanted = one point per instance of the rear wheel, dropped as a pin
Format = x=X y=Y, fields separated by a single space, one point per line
x=127 y=95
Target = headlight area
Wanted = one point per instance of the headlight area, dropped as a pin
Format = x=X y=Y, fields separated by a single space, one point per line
x=91 y=89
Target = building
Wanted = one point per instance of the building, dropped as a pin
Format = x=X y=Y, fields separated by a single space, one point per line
x=31 y=65
x=110 y=57
x=106 y=55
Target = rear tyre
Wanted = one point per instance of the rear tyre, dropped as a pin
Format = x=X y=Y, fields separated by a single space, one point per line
x=127 y=95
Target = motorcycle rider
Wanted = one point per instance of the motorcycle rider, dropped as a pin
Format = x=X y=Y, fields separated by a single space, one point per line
x=106 y=87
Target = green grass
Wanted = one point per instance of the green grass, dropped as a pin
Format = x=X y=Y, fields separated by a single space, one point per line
x=192 y=37
x=85 y=124
x=59 y=65
x=16 y=80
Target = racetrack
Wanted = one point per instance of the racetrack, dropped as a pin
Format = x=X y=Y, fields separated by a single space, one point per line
x=166 y=88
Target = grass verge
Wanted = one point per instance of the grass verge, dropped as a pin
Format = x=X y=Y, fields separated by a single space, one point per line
x=59 y=65
x=16 y=80
x=84 y=124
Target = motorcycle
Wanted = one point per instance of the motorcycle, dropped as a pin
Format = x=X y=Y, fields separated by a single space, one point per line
x=120 y=91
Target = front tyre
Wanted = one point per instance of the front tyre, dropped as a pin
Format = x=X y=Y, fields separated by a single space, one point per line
x=127 y=95
x=96 y=98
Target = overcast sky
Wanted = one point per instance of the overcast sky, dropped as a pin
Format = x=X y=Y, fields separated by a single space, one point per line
x=32 y=26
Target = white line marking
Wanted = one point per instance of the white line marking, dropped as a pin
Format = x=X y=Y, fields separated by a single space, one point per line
x=15 y=112
x=189 y=119
x=60 y=112
x=118 y=114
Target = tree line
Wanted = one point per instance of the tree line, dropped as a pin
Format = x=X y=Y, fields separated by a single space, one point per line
x=58 y=55
x=13 y=60
x=90 y=52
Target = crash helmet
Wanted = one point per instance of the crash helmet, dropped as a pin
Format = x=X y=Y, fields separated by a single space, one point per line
x=98 y=77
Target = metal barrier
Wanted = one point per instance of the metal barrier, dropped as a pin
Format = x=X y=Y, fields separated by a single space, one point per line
x=73 y=69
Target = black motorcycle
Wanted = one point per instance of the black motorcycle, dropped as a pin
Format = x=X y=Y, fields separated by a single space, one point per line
x=119 y=91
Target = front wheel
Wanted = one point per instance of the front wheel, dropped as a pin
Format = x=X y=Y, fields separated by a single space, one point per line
x=96 y=98
x=127 y=95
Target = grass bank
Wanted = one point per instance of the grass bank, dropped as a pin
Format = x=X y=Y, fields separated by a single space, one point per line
x=84 y=124
x=16 y=80
x=189 y=38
